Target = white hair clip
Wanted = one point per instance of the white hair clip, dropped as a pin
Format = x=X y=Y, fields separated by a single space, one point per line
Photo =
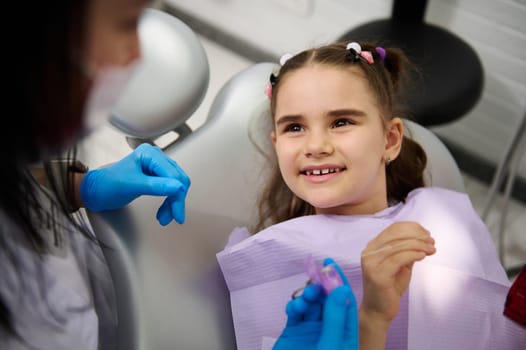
x=284 y=58
x=354 y=46
x=356 y=53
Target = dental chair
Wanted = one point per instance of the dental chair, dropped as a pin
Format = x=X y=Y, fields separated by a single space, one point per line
x=169 y=288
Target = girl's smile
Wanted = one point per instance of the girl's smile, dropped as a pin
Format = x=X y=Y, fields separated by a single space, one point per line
x=321 y=173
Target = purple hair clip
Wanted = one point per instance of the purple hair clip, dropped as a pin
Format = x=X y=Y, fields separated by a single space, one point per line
x=327 y=276
x=381 y=52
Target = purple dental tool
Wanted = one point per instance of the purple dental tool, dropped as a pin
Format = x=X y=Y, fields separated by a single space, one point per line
x=327 y=276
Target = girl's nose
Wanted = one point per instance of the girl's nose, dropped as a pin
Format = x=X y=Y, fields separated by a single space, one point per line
x=318 y=144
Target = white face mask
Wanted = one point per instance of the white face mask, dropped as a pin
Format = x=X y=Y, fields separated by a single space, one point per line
x=108 y=85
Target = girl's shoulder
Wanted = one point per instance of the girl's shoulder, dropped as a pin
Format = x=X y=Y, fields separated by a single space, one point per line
x=437 y=206
x=437 y=196
x=436 y=191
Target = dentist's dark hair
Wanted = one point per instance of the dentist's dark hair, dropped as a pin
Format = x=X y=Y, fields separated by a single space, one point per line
x=46 y=90
x=386 y=78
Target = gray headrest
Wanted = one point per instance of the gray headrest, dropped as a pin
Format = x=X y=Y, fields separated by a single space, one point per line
x=170 y=81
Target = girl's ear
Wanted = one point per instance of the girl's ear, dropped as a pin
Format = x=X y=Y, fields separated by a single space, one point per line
x=394 y=137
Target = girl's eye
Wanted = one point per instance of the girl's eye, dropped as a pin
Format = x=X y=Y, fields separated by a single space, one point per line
x=293 y=128
x=342 y=122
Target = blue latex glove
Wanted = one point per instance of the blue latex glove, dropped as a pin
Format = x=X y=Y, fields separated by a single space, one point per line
x=145 y=171
x=321 y=322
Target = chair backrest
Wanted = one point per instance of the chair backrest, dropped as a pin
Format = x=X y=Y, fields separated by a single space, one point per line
x=170 y=291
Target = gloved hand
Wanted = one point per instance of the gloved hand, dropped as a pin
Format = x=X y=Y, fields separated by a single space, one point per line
x=145 y=171
x=321 y=322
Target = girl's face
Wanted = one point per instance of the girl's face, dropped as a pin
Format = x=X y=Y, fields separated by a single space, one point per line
x=112 y=32
x=330 y=140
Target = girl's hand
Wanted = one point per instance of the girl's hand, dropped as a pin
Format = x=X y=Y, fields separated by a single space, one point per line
x=387 y=263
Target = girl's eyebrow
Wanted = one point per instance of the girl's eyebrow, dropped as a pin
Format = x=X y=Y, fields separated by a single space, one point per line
x=288 y=119
x=346 y=112
x=293 y=118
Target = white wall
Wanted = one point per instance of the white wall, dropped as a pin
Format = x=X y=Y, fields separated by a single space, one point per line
x=495 y=28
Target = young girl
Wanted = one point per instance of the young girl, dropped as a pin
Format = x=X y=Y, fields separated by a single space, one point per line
x=348 y=184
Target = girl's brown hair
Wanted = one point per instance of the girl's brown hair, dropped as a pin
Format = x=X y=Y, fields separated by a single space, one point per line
x=387 y=78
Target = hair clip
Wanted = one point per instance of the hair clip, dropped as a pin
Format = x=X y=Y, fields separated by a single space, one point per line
x=354 y=50
x=356 y=53
x=368 y=56
x=284 y=58
x=273 y=80
x=381 y=52
x=327 y=276
x=354 y=46
x=268 y=91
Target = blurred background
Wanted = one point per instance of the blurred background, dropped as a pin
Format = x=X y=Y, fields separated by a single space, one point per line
x=239 y=33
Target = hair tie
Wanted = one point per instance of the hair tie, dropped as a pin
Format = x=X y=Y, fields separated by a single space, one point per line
x=381 y=52
x=368 y=56
x=284 y=58
x=268 y=91
x=273 y=77
x=354 y=50
x=354 y=46
x=356 y=53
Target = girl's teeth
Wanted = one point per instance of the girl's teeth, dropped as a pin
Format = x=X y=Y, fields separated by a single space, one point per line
x=321 y=172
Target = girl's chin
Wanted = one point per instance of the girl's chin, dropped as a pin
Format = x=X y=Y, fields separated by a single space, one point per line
x=327 y=207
